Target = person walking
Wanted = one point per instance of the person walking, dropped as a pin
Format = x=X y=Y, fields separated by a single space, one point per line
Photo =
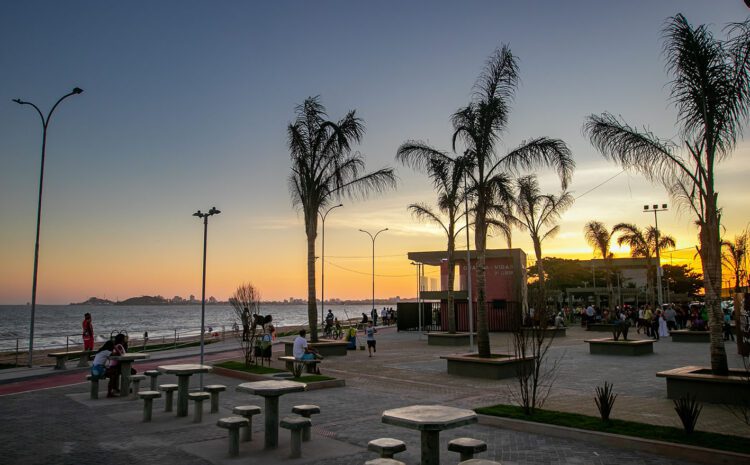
x=88 y=332
x=370 y=332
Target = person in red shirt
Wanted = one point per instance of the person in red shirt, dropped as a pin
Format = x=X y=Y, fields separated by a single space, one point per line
x=88 y=332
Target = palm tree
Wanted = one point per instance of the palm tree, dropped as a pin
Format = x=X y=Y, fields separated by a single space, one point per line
x=479 y=126
x=599 y=238
x=324 y=168
x=711 y=91
x=535 y=212
x=734 y=255
x=643 y=245
x=446 y=174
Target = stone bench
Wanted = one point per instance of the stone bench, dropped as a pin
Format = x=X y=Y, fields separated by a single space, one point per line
x=384 y=461
x=306 y=411
x=168 y=390
x=467 y=447
x=198 y=398
x=153 y=374
x=247 y=411
x=135 y=381
x=686 y=335
x=214 y=390
x=148 y=403
x=62 y=357
x=608 y=346
x=94 y=393
x=233 y=424
x=386 y=447
x=293 y=365
x=295 y=425
x=325 y=347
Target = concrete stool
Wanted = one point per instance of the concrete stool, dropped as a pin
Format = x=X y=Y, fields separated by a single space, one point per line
x=467 y=447
x=135 y=382
x=386 y=447
x=384 y=461
x=247 y=411
x=296 y=424
x=214 y=390
x=148 y=402
x=169 y=390
x=198 y=398
x=233 y=424
x=306 y=411
x=479 y=462
x=94 y=386
x=153 y=374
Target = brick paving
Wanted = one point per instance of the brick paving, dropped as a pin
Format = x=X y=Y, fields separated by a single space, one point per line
x=60 y=425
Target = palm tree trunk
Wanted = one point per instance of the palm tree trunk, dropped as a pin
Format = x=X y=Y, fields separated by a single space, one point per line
x=483 y=333
x=451 y=279
x=312 y=306
x=542 y=302
x=711 y=262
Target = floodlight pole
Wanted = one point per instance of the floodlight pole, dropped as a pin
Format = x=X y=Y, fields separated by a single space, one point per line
x=373 y=260
x=204 y=216
x=45 y=125
x=323 y=266
x=655 y=208
x=468 y=269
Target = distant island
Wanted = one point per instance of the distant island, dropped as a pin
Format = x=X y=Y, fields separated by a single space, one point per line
x=176 y=300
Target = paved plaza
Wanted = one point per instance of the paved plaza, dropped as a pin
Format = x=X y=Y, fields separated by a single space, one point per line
x=61 y=425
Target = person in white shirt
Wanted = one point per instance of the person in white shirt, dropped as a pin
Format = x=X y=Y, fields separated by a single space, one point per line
x=301 y=350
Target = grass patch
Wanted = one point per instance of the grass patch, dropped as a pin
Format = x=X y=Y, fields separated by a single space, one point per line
x=255 y=369
x=623 y=427
x=312 y=378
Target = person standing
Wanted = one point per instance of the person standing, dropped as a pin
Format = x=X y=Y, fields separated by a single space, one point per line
x=245 y=324
x=370 y=332
x=374 y=315
x=88 y=332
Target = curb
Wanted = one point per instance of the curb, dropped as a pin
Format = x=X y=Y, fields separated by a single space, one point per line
x=668 y=449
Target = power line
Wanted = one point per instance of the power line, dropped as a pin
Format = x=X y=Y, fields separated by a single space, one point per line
x=599 y=185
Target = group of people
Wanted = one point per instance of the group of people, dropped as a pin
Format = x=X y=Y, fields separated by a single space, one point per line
x=105 y=367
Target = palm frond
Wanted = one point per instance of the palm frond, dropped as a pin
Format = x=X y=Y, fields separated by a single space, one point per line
x=536 y=153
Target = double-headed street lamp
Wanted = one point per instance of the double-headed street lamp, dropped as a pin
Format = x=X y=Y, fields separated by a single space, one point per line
x=45 y=125
x=323 y=265
x=655 y=208
x=204 y=216
x=373 y=260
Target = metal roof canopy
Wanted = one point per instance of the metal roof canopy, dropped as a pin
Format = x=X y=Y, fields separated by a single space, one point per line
x=437 y=257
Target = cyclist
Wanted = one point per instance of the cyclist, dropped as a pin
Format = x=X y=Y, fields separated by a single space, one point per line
x=329 y=322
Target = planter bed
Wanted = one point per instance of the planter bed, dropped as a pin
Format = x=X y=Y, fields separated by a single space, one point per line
x=706 y=387
x=499 y=366
x=608 y=346
x=447 y=339
x=325 y=347
x=601 y=327
x=313 y=382
x=685 y=335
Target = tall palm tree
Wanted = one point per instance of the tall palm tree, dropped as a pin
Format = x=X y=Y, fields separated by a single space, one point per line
x=478 y=126
x=734 y=255
x=534 y=212
x=446 y=174
x=324 y=168
x=711 y=91
x=599 y=238
x=644 y=244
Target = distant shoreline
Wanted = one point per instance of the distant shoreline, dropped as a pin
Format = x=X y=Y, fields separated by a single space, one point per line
x=160 y=301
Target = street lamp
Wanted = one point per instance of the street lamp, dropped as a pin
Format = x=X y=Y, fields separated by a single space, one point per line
x=468 y=268
x=419 y=296
x=323 y=266
x=204 y=216
x=373 y=260
x=45 y=125
x=655 y=208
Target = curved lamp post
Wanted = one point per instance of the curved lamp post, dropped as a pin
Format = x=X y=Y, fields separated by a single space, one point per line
x=45 y=125
x=373 y=260
x=323 y=266
x=204 y=216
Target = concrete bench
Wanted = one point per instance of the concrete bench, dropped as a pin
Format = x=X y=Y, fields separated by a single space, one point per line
x=467 y=447
x=135 y=381
x=62 y=357
x=247 y=411
x=94 y=394
x=153 y=374
x=148 y=403
x=214 y=390
x=384 y=461
x=306 y=411
x=386 y=447
x=233 y=424
x=295 y=366
x=295 y=425
x=168 y=390
x=198 y=398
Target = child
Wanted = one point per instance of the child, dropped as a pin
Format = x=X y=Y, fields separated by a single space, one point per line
x=99 y=367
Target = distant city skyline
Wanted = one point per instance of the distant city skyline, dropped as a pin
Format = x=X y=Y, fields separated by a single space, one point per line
x=186 y=104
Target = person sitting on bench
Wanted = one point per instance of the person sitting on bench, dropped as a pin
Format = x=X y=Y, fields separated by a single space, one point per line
x=301 y=350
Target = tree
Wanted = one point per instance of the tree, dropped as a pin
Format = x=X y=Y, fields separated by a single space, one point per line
x=683 y=280
x=644 y=245
x=561 y=274
x=446 y=174
x=478 y=126
x=711 y=91
x=599 y=238
x=324 y=168
x=246 y=304
x=534 y=212
x=734 y=256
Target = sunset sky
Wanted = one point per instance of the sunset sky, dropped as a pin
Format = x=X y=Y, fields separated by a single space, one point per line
x=186 y=105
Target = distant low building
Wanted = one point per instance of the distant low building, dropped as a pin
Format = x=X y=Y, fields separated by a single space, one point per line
x=629 y=278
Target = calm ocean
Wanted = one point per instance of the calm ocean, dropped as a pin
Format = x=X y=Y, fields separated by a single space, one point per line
x=57 y=324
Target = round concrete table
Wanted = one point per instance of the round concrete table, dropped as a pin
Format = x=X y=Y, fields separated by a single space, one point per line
x=126 y=363
x=271 y=390
x=430 y=420
x=183 y=372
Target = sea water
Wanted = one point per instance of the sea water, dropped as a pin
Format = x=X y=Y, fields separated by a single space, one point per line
x=58 y=325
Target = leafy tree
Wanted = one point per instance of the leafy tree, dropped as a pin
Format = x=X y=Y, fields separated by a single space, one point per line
x=683 y=280
x=324 y=168
x=711 y=91
x=562 y=273
x=478 y=126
